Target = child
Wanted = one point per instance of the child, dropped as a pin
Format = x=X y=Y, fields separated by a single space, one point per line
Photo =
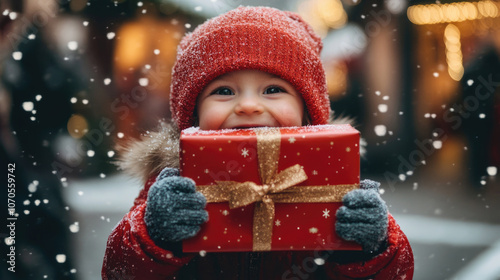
x=250 y=67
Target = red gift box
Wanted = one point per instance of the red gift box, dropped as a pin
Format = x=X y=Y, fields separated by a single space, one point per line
x=271 y=188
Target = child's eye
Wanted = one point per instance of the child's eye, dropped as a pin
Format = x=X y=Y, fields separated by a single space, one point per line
x=274 y=89
x=222 y=91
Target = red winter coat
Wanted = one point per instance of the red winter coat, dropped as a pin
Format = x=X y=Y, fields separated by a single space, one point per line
x=131 y=254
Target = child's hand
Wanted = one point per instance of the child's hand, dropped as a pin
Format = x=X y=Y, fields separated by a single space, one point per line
x=174 y=210
x=363 y=218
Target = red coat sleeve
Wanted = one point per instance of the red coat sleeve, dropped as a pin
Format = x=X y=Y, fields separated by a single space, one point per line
x=130 y=252
x=396 y=262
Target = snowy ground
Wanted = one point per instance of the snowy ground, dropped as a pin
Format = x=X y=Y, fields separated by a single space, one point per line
x=454 y=233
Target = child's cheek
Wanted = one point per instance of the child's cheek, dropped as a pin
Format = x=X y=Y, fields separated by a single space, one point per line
x=211 y=119
x=289 y=117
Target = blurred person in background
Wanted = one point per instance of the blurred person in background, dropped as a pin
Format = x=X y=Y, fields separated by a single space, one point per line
x=479 y=108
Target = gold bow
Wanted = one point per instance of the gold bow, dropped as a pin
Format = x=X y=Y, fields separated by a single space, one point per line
x=276 y=188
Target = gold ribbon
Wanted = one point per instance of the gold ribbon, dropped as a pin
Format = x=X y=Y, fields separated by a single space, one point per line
x=276 y=188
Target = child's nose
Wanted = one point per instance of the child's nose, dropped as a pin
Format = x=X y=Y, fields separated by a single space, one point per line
x=249 y=104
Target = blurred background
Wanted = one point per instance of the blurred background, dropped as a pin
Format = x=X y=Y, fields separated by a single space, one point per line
x=420 y=78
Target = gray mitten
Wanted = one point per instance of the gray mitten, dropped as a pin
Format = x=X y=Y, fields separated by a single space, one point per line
x=174 y=209
x=364 y=218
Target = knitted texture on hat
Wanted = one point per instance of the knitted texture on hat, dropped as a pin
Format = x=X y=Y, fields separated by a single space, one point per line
x=258 y=38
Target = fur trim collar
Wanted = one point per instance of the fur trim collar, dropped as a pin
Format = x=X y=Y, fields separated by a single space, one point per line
x=156 y=150
x=149 y=155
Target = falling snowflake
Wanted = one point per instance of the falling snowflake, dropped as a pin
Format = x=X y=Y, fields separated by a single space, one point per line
x=437 y=144
x=28 y=106
x=491 y=170
x=17 y=55
x=319 y=261
x=291 y=140
x=61 y=258
x=144 y=82
x=244 y=152
x=313 y=230
x=9 y=241
x=383 y=108
x=74 y=227
x=326 y=213
x=225 y=212
x=73 y=45
x=380 y=130
x=277 y=223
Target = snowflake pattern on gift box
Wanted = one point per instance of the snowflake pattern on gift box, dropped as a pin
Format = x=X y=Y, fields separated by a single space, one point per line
x=291 y=140
x=326 y=213
x=244 y=152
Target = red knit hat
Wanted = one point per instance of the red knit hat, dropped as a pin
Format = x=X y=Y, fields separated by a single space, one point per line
x=259 y=38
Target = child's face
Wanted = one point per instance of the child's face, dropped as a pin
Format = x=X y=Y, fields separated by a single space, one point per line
x=249 y=98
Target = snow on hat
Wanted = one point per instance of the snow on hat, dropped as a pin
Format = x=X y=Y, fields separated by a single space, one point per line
x=259 y=38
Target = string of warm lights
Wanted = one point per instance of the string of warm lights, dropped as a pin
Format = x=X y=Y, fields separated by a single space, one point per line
x=453 y=12
x=453 y=52
x=323 y=15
